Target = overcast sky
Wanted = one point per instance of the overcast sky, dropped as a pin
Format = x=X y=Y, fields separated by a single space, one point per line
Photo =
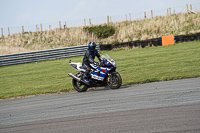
x=15 y=13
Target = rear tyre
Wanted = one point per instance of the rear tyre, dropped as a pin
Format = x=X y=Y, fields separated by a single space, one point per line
x=79 y=86
x=114 y=80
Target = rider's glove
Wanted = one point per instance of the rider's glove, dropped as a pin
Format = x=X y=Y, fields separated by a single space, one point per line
x=101 y=63
x=96 y=63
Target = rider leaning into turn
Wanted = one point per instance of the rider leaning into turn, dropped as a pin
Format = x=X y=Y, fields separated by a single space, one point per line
x=89 y=59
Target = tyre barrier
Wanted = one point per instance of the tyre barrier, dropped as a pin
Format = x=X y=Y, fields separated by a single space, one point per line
x=197 y=36
x=179 y=38
x=106 y=47
x=150 y=42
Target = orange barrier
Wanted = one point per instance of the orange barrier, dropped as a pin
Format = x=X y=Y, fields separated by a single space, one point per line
x=167 y=40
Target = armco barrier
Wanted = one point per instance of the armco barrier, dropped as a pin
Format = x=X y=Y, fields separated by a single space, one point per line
x=21 y=58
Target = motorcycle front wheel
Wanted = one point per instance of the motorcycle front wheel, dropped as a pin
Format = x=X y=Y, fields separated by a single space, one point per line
x=114 y=80
x=79 y=86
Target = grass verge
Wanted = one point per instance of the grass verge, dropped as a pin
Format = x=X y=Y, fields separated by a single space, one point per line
x=135 y=66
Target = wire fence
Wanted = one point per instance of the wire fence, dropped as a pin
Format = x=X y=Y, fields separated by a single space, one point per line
x=99 y=20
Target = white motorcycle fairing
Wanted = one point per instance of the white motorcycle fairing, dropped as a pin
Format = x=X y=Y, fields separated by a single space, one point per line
x=77 y=66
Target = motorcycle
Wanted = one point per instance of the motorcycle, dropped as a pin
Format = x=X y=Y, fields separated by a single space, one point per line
x=101 y=75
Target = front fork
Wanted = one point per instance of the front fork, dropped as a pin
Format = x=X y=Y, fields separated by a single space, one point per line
x=110 y=78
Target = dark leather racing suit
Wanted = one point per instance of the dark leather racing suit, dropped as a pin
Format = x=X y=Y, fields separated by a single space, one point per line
x=89 y=59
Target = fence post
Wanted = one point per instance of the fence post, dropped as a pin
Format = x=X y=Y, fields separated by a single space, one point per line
x=187 y=7
x=65 y=24
x=84 y=22
x=8 y=31
x=22 y=29
x=41 y=27
x=190 y=7
x=1 y=32
x=126 y=17
x=36 y=28
x=174 y=12
x=110 y=20
x=60 y=25
x=167 y=12
x=130 y=16
x=90 y=22
x=107 y=19
x=151 y=14
x=170 y=11
x=145 y=15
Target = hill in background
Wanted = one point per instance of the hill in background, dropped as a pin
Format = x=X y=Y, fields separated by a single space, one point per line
x=178 y=24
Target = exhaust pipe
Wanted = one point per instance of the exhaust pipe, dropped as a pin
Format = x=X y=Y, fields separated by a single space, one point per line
x=77 y=79
x=74 y=77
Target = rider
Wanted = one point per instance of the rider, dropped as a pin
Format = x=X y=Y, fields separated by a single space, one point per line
x=89 y=59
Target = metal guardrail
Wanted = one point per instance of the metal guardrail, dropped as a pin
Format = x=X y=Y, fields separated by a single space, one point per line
x=28 y=57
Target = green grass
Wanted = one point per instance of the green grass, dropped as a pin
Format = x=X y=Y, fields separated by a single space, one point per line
x=135 y=66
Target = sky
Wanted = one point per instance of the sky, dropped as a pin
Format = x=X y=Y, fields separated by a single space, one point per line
x=15 y=13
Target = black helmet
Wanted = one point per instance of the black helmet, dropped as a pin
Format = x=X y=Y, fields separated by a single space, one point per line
x=91 y=46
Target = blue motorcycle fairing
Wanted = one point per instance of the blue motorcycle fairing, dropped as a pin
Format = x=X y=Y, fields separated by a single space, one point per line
x=101 y=72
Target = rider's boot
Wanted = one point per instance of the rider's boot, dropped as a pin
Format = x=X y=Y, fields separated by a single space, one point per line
x=86 y=79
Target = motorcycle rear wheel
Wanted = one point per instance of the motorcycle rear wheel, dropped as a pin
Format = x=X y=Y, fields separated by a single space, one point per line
x=78 y=86
x=114 y=80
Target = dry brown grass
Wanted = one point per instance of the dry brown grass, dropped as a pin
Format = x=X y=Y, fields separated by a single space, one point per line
x=125 y=31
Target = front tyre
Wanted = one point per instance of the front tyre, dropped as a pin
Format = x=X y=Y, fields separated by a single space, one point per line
x=114 y=80
x=79 y=86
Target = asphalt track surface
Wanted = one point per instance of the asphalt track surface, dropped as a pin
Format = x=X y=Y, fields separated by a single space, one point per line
x=168 y=106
